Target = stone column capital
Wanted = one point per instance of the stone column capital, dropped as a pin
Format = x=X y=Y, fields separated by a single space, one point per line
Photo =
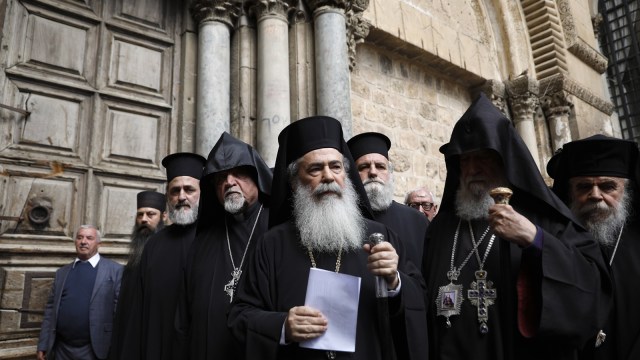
x=559 y=103
x=495 y=91
x=523 y=97
x=316 y=4
x=224 y=11
x=275 y=8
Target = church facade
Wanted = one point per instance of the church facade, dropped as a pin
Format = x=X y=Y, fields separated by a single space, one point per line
x=95 y=93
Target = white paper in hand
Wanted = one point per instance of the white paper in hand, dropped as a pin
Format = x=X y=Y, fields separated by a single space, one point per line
x=336 y=296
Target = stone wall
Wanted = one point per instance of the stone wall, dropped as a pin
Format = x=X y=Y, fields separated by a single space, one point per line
x=411 y=104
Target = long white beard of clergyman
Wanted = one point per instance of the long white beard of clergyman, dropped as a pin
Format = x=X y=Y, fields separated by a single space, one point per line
x=183 y=215
x=234 y=203
x=474 y=203
x=380 y=194
x=331 y=223
x=603 y=222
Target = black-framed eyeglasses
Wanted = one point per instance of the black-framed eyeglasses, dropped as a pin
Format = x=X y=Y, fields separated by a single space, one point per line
x=425 y=205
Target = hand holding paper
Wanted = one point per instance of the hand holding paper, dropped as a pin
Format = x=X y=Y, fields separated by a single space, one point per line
x=304 y=323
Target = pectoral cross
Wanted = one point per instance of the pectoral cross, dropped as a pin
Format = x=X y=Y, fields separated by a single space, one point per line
x=230 y=288
x=482 y=296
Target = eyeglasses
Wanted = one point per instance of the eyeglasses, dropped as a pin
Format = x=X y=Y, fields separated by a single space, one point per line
x=425 y=205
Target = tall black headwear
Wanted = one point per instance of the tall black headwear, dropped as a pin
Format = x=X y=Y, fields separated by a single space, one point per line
x=483 y=126
x=226 y=154
x=297 y=139
x=596 y=155
x=369 y=143
x=183 y=164
x=151 y=199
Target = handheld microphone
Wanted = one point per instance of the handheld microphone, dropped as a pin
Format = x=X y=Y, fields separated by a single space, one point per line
x=381 y=283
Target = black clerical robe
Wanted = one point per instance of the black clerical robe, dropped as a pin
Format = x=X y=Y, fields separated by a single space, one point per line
x=409 y=224
x=152 y=333
x=203 y=313
x=622 y=329
x=276 y=280
x=567 y=291
x=124 y=318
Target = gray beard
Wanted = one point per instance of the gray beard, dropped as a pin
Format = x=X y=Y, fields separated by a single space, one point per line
x=331 y=223
x=473 y=205
x=235 y=203
x=182 y=215
x=139 y=238
x=380 y=194
x=603 y=222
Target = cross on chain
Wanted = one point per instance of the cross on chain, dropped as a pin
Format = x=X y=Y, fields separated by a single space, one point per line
x=482 y=296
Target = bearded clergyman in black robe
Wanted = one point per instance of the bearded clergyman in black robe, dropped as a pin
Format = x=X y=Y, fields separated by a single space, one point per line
x=370 y=151
x=150 y=216
x=234 y=213
x=597 y=178
x=320 y=219
x=152 y=333
x=507 y=281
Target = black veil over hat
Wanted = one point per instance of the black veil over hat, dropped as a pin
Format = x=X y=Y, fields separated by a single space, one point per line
x=483 y=126
x=297 y=139
x=226 y=154
x=596 y=155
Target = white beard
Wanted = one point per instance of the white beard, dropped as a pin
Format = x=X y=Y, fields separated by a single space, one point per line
x=183 y=215
x=602 y=221
x=474 y=203
x=235 y=203
x=330 y=223
x=380 y=194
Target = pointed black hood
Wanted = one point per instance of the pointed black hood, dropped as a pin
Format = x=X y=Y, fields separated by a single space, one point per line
x=229 y=153
x=483 y=126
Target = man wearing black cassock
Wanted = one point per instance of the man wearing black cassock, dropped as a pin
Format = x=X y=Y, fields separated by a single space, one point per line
x=525 y=280
x=319 y=217
x=597 y=178
x=150 y=216
x=371 y=153
x=152 y=331
x=234 y=213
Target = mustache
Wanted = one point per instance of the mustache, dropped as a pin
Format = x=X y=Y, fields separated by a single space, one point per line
x=324 y=188
x=232 y=190
x=372 y=181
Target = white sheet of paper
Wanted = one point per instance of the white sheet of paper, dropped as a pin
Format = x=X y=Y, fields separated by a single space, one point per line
x=336 y=296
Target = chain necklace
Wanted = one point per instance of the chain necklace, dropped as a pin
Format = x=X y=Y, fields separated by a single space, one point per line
x=313 y=260
x=601 y=334
x=617 y=243
x=230 y=287
x=450 y=297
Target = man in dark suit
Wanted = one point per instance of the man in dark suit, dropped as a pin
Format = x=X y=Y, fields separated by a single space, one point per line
x=78 y=316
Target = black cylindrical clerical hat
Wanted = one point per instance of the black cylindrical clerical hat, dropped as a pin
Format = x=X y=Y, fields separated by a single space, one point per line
x=596 y=155
x=183 y=164
x=369 y=143
x=152 y=199
x=312 y=133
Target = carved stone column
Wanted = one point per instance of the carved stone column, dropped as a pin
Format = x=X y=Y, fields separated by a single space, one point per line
x=243 y=75
x=523 y=100
x=273 y=93
x=333 y=77
x=303 y=82
x=557 y=108
x=215 y=19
